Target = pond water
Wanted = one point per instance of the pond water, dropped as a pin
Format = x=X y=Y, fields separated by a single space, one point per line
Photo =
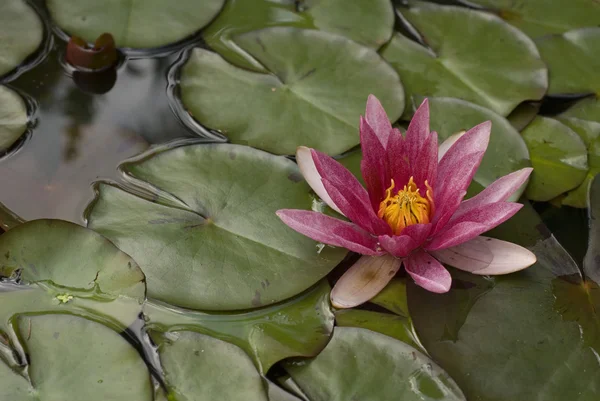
x=186 y=272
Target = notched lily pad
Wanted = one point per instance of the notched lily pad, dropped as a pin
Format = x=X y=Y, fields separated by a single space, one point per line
x=211 y=240
x=315 y=90
x=22 y=32
x=134 y=24
x=368 y=22
x=70 y=357
x=542 y=17
x=572 y=60
x=471 y=55
x=300 y=326
x=202 y=368
x=558 y=156
x=360 y=364
x=13 y=117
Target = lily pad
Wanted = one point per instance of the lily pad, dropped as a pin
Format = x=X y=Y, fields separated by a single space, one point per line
x=201 y=368
x=368 y=22
x=13 y=117
x=55 y=344
x=315 y=90
x=518 y=328
x=360 y=364
x=543 y=17
x=212 y=241
x=572 y=60
x=584 y=119
x=300 y=326
x=558 y=156
x=134 y=24
x=69 y=269
x=470 y=55
x=22 y=32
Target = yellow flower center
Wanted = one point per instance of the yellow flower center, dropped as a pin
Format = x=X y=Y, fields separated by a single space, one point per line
x=406 y=207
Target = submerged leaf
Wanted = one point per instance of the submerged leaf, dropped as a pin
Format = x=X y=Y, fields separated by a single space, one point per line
x=102 y=55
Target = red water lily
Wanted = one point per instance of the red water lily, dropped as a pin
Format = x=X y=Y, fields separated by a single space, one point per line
x=412 y=210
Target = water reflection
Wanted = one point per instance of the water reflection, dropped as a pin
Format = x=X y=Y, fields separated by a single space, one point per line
x=80 y=137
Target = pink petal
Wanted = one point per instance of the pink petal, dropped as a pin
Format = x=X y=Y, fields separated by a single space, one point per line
x=355 y=208
x=487 y=256
x=329 y=230
x=411 y=238
x=498 y=191
x=311 y=175
x=428 y=272
x=373 y=164
x=397 y=159
x=331 y=170
x=470 y=225
x=378 y=120
x=365 y=279
x=425 y=162
x=457 y=168
x=447 y=144
x=418 y=131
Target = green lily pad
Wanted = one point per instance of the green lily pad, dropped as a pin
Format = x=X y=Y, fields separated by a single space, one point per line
x=471 y=55
x=368 y=22
x=519 y=328
x=397 y=327
x=300 y=326
x=584 y=119
x=393 y=297
x=315 y=90
x=13 y=117
x=212 y=241
x=506 y=152
x=276 y=393
x=70 y=357
x=360 y=364
x=543 y=17
x=22 y=32
x=201 y=368
x=69 y=269
x=572 y=60
x=558 y=156
x=69 y=255
x=134 y=24
x=591 y=262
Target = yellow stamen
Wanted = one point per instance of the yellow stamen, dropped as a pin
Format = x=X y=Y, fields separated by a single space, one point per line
x=406 y=207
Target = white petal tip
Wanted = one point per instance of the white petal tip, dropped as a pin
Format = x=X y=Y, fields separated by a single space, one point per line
x=487 y=256
x=365 y=279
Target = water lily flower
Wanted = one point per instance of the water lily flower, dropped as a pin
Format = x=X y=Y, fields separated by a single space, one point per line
x=412 y=211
